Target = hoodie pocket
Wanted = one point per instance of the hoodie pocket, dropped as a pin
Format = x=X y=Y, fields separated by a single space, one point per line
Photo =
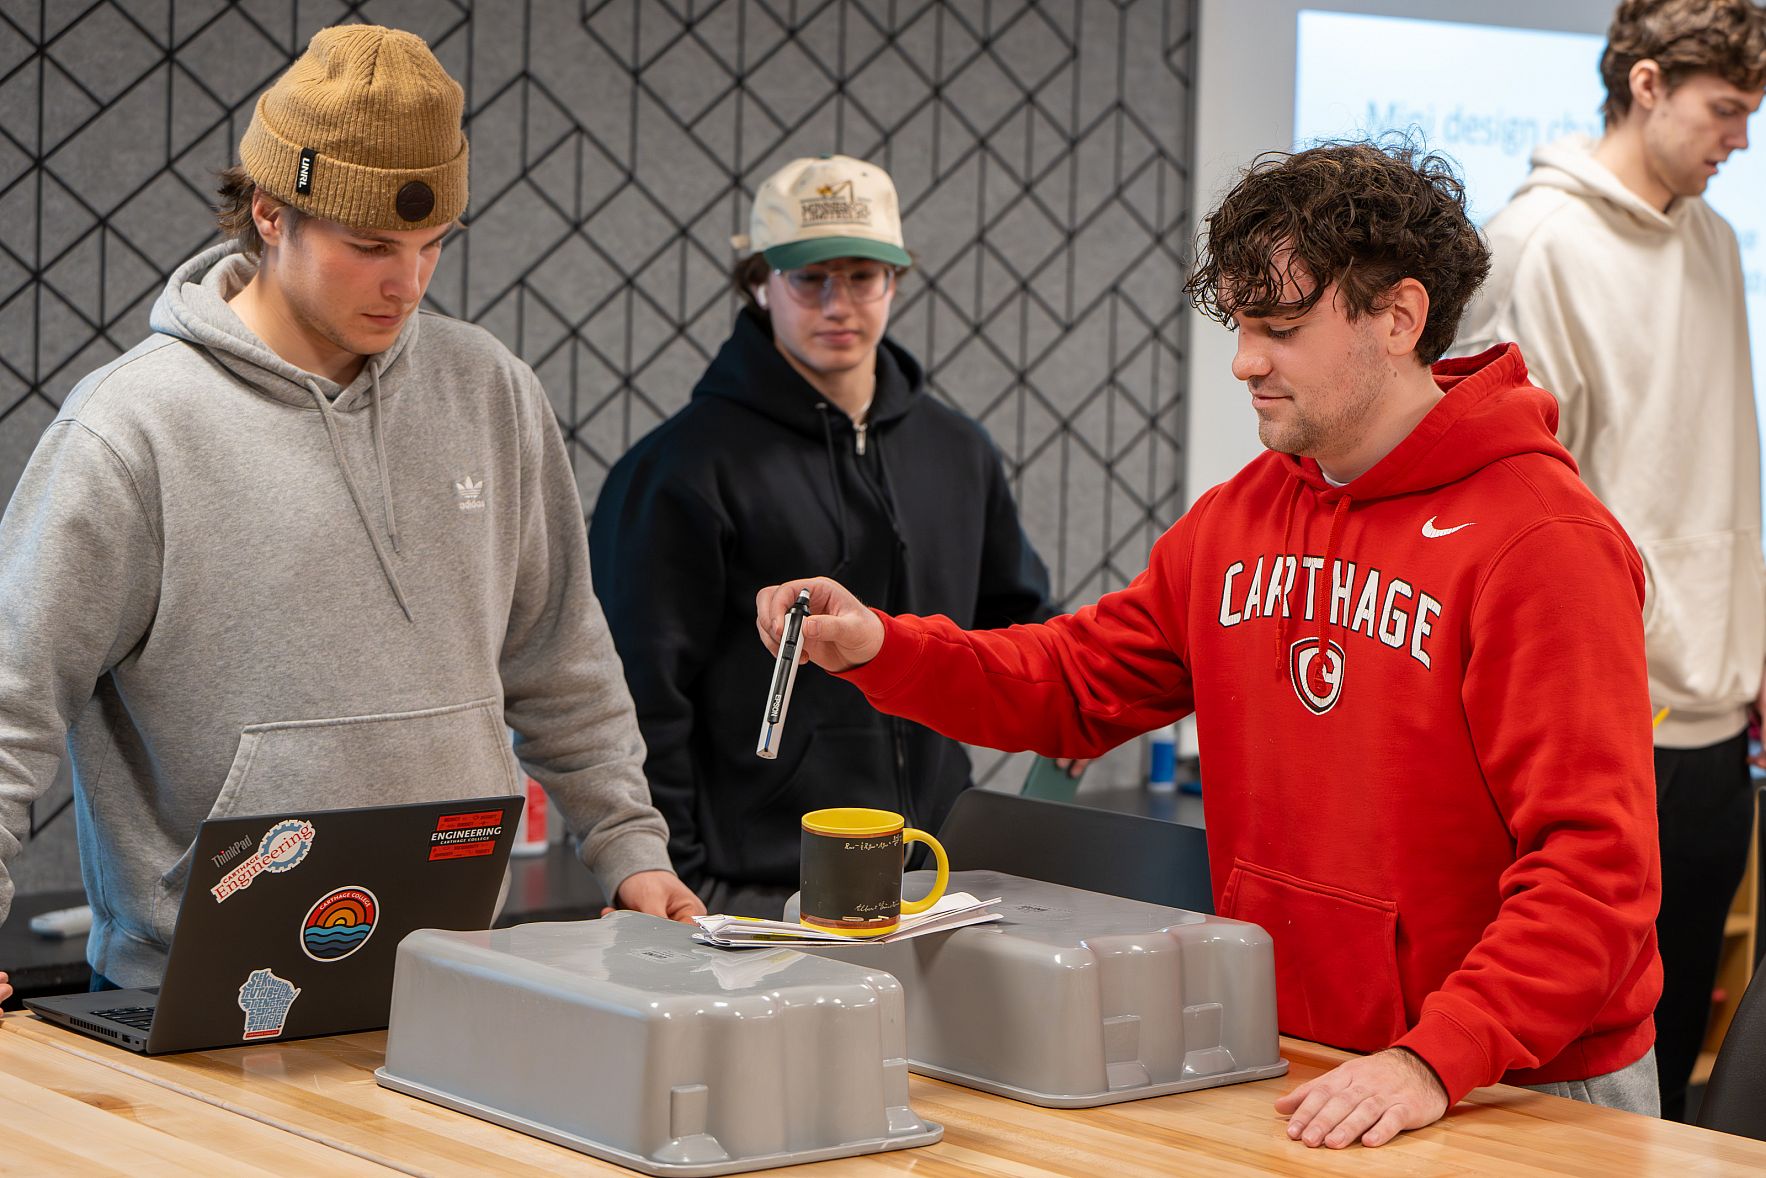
x=1336 y=956
x=284 y=767
x=1704 y=625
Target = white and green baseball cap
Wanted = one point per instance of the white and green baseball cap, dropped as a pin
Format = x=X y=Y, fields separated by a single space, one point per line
x=831 y=206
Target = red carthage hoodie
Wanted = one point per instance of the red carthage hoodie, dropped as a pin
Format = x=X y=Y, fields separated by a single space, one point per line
x=1424 y=727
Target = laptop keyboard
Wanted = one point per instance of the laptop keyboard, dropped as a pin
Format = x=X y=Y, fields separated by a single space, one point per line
x=139 y=1017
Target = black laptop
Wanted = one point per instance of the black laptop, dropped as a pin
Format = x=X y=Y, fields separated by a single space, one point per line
x=291 y=922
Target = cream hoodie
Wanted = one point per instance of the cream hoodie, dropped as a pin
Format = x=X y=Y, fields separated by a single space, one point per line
x=1634 y=318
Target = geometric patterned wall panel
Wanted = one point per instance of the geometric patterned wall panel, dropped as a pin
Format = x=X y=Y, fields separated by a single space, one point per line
x=1041 y=149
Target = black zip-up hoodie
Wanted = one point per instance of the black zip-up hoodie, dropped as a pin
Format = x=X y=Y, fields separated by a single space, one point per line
x=758 y=479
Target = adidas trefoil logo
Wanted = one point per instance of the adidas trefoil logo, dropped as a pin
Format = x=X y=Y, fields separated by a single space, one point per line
x=469 y=495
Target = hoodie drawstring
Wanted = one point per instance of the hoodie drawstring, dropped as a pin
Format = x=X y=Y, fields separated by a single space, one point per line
x=329 y=417
x=1338 y=518
x=889 y=505
x=888 y=488
x=1333 y=540
x=379 y=435
x=834 y=486
x=904 y=556
x=1281 y=623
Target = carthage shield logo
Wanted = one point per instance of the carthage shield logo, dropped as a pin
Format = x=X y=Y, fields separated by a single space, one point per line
x=1317 y=674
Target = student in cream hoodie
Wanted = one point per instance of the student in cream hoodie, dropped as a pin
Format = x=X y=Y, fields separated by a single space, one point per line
x=1624 y=290
x=305 y=547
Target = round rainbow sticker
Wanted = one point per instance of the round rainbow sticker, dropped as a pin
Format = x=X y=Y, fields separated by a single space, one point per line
x=339 y=924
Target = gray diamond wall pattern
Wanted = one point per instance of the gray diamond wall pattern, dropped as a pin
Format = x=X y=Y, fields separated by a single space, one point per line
x=1041 y=149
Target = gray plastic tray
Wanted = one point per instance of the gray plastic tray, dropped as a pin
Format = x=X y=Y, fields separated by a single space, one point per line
x=1078 y=999
x=625 y=1039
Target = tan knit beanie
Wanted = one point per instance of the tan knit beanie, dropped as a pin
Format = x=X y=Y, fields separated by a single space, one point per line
x=363 y=129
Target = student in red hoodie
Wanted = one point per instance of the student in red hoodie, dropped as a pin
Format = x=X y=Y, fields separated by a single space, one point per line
x=1413 y=643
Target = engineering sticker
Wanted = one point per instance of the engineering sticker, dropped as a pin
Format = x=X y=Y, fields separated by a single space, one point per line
x=465 y=836
x=286 y=844
x=265 y=999
x=339 y=924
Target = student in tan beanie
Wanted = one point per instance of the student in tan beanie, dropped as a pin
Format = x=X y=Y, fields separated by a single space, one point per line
x=360 y=139
x=303 y=547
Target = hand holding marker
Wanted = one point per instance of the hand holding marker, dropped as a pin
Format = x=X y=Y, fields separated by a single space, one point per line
x=772 y=724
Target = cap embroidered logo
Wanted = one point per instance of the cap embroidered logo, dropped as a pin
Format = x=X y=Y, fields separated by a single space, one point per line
x=835 y=204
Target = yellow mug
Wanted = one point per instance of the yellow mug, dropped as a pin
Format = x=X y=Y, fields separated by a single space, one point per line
x=851 y=871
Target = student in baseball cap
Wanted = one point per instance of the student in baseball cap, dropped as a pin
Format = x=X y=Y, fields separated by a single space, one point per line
x=813 y=443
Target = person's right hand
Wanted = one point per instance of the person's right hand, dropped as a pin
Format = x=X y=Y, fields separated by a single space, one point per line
x=1371 y=1099
x=5 y=991
x=840 y=633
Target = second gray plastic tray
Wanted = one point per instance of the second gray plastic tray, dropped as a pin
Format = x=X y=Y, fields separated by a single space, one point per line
x=1078 y=999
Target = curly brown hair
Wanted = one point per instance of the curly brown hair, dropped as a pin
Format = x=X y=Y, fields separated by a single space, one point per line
x=1684 y=37
x=233 y=210
x=1357 y=213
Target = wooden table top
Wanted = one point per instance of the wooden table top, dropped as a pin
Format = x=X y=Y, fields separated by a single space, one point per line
x=70 y=1104
x=62 y=1113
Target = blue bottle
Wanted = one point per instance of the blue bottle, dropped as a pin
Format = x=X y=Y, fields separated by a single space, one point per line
x=1162 y=760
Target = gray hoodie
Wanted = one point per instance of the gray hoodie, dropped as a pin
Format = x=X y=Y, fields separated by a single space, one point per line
x=232 y=587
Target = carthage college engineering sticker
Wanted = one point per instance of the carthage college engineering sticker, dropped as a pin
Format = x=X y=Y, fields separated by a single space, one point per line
x=339 y=924
x=466 y=836
x=282 y=848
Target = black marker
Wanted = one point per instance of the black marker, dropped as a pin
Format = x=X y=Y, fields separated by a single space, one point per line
x=784 y=676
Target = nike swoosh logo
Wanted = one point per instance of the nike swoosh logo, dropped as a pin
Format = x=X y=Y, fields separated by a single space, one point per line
x=1435 y=533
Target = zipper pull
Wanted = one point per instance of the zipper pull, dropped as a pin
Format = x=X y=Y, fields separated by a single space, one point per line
x=858 y=433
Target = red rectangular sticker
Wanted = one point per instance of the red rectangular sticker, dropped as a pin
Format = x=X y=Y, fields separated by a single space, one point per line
x=465 y=836
x=460 y=851
x=476 y=818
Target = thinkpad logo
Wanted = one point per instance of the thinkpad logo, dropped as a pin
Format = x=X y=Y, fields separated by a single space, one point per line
x=1317 y=674
x=469 y=495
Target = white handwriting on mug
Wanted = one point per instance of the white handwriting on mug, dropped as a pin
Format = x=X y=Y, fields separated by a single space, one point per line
x=874 y=845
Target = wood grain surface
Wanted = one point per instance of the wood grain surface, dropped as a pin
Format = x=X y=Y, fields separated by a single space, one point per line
x=61 y=1113
x=69 y=1104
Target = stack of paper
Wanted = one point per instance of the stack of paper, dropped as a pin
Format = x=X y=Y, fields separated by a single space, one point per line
x=749 y=932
